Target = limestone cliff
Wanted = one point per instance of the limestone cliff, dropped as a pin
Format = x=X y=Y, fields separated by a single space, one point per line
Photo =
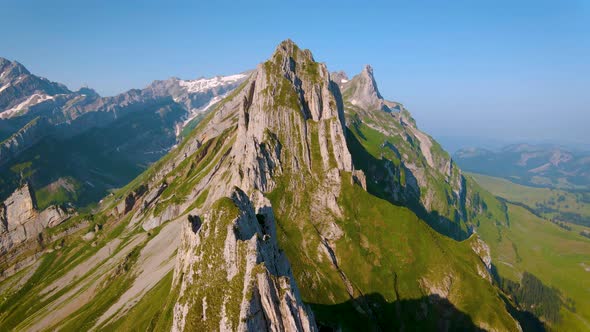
x=21 y=222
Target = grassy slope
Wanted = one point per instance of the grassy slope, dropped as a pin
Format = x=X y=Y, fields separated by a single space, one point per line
x=386 y=248
x=562 y=251
x=376 y=145
x=556 y=256
x=384 y=253
x=17 y=306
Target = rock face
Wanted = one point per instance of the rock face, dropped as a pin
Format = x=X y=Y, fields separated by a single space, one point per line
x=234 y=276
x=21 y=222
x=288 y=121
x=23 y=139
x=362 y=92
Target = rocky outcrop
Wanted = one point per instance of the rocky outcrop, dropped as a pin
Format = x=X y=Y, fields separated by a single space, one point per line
x=127 y=204
x=234 y=278
x=483 y=251
x=21 y=222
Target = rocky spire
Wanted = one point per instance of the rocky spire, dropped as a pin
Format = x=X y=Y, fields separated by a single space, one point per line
x=370 y=84
x=363 y=92
x=290 y=125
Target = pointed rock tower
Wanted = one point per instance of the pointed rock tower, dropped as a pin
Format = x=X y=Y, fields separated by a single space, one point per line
x=282 y=130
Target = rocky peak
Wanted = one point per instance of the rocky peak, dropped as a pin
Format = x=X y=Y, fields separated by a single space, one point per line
x=340 y=78
x=11 y=69
x=20 y=90
x=88 y=92
x=362 y=92
x=370 y=85
x=290 y=131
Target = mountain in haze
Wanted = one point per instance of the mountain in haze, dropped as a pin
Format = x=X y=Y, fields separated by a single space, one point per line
x=75 y=146
x=301 y=201
x=535 y=165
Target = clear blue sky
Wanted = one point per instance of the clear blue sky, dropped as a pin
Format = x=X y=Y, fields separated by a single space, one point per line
x=513 y=70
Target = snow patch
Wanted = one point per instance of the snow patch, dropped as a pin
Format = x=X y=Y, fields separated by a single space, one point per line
x=4 y=87
x=193 y=113
x=31 y=101
x=203 y=84
x=343 y=81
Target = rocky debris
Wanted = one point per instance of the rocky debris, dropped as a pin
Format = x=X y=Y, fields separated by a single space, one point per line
x=89 y=236
x=442 y=287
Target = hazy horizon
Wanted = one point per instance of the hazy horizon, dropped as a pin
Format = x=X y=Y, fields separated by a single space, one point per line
x=498 y=71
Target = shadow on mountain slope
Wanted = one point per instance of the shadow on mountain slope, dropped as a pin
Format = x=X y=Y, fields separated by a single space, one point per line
x=97 y=160
x=378 y=176
x=428 y=313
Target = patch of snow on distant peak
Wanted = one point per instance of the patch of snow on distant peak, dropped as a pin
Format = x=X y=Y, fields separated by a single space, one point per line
x=203 y=84
x=4 y=87
x=196 y=111
x=343 y=81
x=31 y=101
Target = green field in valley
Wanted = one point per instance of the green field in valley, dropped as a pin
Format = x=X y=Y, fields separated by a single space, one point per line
x=560 y=258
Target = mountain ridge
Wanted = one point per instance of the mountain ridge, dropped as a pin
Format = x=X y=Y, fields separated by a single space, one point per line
x=528 y=164
x=43 y=135
x=296 y=209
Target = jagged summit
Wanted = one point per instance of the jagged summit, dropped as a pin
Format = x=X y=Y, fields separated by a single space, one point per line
x=362 y=92
x=9 y=69
x=290 y=48
x=369 y=79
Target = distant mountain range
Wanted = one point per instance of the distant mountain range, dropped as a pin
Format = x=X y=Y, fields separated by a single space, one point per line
x=535 y=165
x=76 y=145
